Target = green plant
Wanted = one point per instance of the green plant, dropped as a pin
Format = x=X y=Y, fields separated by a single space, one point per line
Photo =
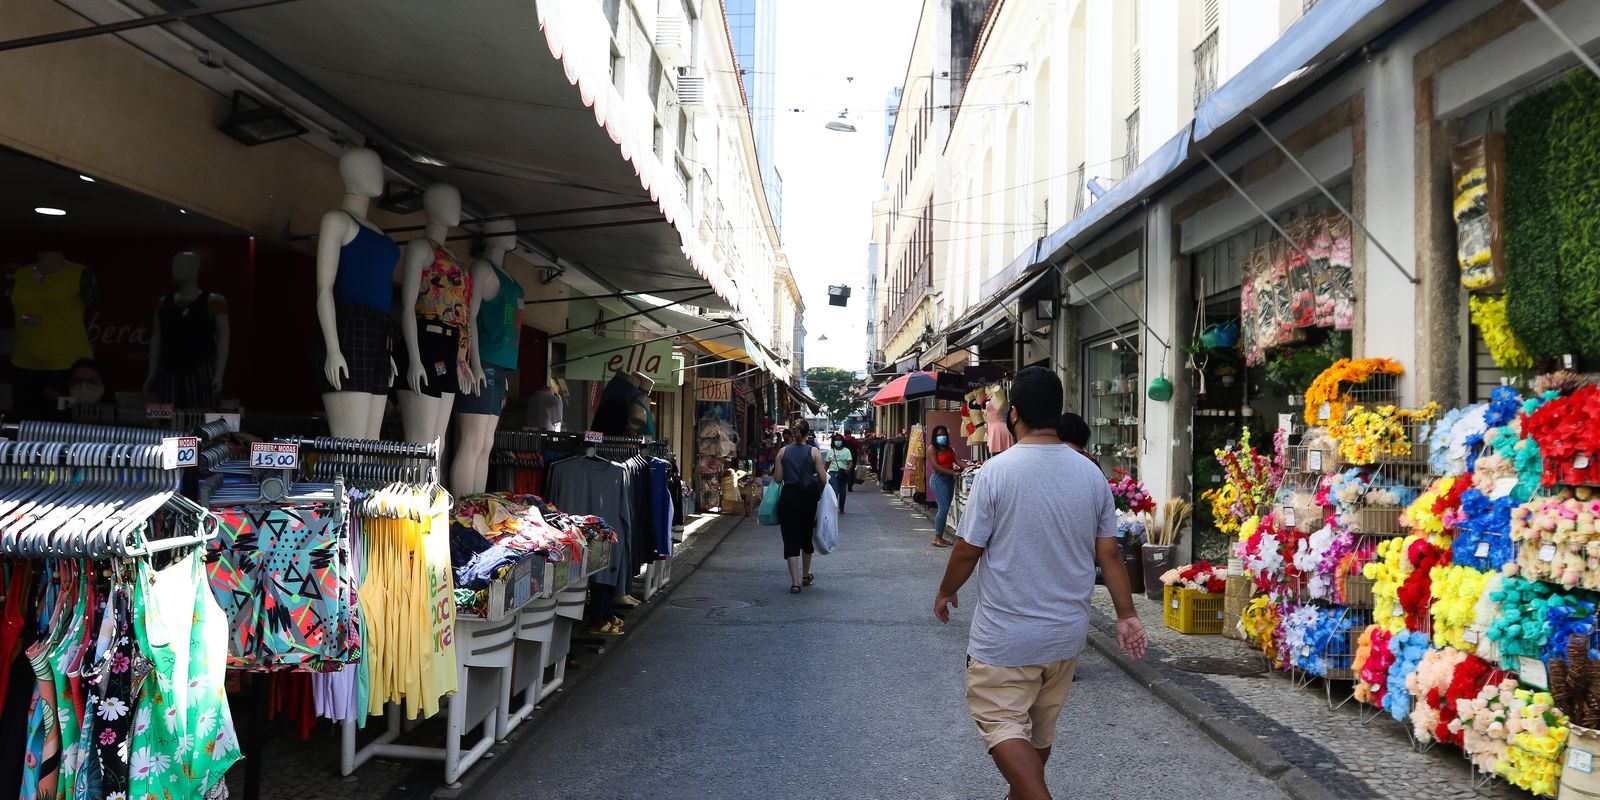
x=1552 y=219
x=1294 y=368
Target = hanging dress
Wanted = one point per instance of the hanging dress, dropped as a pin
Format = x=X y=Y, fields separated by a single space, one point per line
x=183 y=739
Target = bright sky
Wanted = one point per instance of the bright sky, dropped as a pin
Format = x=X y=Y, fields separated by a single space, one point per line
x=831 y=179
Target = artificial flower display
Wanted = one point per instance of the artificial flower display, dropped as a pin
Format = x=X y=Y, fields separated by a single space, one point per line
x=1427 y=686
x=1483 y=534
x=1325 y=399
x=1456 y=592
x=1471 y=675
x=1222 y=500
x=1318 y=639
x=1484 y=616
x=1130 y=494
x=1569 y=439
x=1559 y=538
x=1387 y=572
x=1424 y=515
x=1562 y=382
x=1201 y=577
x=1415 y=594
x=1372 y=674
x=1385 y=432
x=1536 y=618
x=1259 y=621
x=1408 y=648
x=1447 y=441
x=1489 y=314
x=1254 y=477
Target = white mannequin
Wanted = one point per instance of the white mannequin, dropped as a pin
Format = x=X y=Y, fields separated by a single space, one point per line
x=350 y=414
x=469 y=471
x=427 y=418
x=186 y=274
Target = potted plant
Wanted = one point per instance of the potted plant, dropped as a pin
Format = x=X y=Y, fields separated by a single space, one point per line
x=1160 y=550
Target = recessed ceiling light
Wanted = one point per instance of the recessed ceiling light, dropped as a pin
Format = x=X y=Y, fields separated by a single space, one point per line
x=49 y=212
x=86 y=178
x=182 y=211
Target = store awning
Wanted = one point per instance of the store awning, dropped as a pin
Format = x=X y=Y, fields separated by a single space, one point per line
x=918 y=385
x=804 y=399
x=512 y=103
x=991 y=331
x=734 y=344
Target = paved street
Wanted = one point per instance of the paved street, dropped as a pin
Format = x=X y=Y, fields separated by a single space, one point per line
x=849 y=690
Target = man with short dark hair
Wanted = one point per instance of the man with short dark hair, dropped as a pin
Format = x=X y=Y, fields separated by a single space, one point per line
x=1075 y=432
x=1033 y=542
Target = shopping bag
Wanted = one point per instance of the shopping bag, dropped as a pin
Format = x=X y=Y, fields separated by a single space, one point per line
x=825 y=538
x=768 y=514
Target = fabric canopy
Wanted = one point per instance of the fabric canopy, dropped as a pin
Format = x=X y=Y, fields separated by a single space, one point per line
x=917 y=385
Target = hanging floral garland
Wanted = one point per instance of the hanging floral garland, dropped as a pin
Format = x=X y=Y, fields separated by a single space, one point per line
x=1489 y=314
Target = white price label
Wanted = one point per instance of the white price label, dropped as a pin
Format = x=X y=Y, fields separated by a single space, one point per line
x=1313 y=460
x=594 y=437
x=1580 y=760
x=1470 y=635
x=1286 y=422
x=231 y=419
x=1398 y=611
x=1216 y=479
x=1229 y=445
x=1482 y=551
x=178 y=452
x=647 y=439
x=1531 y=672
x=1580 y=462
x=1547 y=552
x=1324 y=411
x=1503 y=487
x=1174 y=602
x=1288 y=517
x=1306 y=650
x=159 y=411
x=272 y=455
x=1566 y=361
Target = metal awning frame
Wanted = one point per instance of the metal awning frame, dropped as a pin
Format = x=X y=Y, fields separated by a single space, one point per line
x=635 y=342
x=1562 y=35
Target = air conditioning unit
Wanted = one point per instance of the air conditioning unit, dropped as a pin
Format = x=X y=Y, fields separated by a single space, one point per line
x=691 y=88
x=672 y=40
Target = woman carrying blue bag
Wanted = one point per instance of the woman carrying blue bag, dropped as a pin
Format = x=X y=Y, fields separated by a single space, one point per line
x=801 y=474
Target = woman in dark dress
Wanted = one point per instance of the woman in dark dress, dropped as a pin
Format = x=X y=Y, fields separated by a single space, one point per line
x=802 y=473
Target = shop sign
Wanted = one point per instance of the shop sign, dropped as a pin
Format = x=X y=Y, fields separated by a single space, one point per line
x=713 y=390
x=652 y=359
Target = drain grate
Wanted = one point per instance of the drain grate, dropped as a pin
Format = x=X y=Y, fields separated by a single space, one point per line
x=1219 y=666
x=710 y=603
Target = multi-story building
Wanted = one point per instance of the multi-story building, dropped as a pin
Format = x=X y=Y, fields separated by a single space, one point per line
x=753 y=25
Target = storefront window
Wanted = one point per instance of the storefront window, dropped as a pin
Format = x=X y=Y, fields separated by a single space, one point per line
x=1112 y=405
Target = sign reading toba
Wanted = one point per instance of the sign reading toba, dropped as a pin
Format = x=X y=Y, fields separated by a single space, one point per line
x=599 y=358
x=713 y=390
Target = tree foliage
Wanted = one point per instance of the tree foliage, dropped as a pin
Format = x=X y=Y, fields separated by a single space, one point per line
x=838 y=390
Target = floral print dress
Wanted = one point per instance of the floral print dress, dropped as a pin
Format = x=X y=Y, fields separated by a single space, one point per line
x=182 y=741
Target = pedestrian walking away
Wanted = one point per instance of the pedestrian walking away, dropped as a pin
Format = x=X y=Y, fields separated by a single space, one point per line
x=1038 y=517
x=841 y=468
x=1074 y=431
x=802 y=473
x=943 y=467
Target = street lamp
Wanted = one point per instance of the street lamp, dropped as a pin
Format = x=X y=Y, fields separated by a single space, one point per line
x=840 y=124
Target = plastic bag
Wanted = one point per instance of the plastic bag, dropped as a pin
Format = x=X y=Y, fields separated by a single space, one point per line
x=825 y=538
x=768 y=513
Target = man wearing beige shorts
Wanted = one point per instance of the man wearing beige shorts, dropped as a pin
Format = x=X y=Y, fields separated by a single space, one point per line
x=1038 y=517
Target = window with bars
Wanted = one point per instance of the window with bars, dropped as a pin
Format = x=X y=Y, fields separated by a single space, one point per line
x=1205 y=68
x=1130 y=159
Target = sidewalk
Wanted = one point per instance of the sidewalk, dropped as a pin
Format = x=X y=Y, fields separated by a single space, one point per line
x=1287 y=734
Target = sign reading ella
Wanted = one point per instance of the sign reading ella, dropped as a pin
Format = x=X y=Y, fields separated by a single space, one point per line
x=612 y=355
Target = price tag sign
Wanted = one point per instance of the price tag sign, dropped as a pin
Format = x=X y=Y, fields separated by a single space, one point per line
x=1288 y=517
x=1174 y=602
x=231 y=419
x=1306 y=650
x=1313 y=460
x=1286 y=422
x=1470 y=635
x=1216 y=479
x=1547 y=552
x=1324 y=411
x=1531 y=672
x=1482 y=551
x=272 y=455
x=594 y=437
x=1581 y=461
x=647 y=439
x=1398 y=611
x=1503 y=487
x=1566 y=361
x=159 y=411
x=1580 y=760
x=178 y=452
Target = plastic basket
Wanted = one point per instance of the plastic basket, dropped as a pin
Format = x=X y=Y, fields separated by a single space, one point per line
x=1237 y=597
x=1192 y=612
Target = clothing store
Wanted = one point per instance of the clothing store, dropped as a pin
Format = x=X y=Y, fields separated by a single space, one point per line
x=381 y=531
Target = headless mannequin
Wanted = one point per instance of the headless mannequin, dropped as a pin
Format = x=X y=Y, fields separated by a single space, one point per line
x=469 y=470
x=186 y=274
x=351 y=414
x=426 y=418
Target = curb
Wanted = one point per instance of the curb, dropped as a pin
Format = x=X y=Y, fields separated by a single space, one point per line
x=1231 y=736
x=694 y=555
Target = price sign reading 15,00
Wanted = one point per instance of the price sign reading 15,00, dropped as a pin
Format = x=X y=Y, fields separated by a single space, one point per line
x=271 y=455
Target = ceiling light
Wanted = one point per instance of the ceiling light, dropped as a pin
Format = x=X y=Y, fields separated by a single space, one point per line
x=400 y=199
x=428 y=160
x=183 y=211
x=250 y=122
x=86 y=178
x=49 y=212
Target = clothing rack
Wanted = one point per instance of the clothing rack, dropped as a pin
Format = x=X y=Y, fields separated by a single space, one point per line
x=375 y=462
x=91 y=500
x=37 y=431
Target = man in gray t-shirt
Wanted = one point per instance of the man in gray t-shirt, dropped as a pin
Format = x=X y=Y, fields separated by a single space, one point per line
x=1038 y=517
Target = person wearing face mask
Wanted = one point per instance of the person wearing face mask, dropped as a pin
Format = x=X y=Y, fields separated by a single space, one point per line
x=943 y=467
x=840 y=468
x=86 y=383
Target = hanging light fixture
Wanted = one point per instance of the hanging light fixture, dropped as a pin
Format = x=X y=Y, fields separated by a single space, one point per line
x=251 y=122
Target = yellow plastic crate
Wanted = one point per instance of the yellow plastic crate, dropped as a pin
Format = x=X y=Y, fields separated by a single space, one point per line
x=1191 y=611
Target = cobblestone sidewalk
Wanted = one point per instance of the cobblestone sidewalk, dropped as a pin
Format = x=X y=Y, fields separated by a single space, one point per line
x=1338 y=751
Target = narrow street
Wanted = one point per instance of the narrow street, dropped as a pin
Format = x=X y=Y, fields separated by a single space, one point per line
x=849 y=690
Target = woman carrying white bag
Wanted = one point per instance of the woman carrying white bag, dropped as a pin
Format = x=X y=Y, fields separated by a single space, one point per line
x=804 y=477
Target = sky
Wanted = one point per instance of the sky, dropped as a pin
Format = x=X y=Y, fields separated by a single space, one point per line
x=835 y=55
